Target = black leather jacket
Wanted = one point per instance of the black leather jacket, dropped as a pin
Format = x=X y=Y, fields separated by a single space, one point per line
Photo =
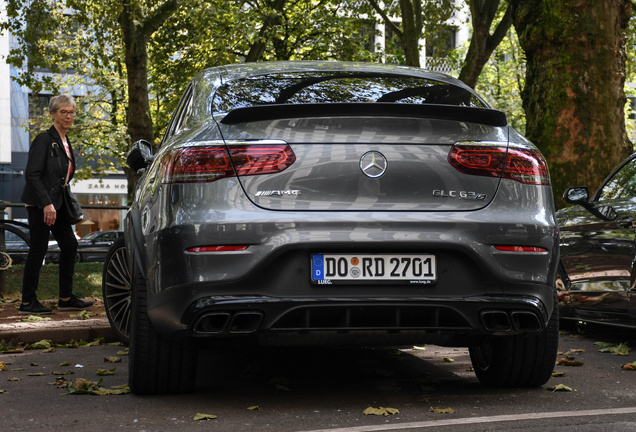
x=44 y=175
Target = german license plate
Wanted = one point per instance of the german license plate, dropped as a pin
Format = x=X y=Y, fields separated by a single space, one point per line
x=328 y=269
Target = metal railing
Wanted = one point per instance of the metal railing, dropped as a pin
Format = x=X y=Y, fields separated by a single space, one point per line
x=14 y=227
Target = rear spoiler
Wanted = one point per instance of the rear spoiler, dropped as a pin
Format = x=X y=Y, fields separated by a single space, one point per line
x=379 y=109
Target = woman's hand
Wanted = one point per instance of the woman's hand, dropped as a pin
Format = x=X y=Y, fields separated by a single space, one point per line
x=49 y=215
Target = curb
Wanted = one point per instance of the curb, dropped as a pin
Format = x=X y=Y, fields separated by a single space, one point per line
x=58 y=331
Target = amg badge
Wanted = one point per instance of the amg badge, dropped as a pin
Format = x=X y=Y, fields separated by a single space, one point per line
x=459 y=194
x=278 y=193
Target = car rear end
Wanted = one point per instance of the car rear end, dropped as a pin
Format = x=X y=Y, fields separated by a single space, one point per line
x=327 y=219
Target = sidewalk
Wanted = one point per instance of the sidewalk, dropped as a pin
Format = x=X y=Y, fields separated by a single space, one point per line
x=57 y=331
x=61 y=329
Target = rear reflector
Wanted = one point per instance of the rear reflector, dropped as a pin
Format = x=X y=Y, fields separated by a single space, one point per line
x=218 y=248
x=524 y=166
x=207 y=164
x=520 y=249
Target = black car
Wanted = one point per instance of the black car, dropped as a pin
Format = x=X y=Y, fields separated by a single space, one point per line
x=595 y=280
x=93 y=247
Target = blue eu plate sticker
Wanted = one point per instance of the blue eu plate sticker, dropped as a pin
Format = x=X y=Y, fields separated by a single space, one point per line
x=318 y=267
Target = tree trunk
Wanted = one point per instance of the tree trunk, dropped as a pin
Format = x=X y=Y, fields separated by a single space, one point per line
x=411 y=30
x=136 y=30
x=482 y=43
x=574 y=96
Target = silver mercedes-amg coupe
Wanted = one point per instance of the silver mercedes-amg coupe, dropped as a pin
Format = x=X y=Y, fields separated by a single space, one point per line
x=329 y=203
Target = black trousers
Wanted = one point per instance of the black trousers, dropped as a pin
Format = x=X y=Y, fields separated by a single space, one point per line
x=39 y=233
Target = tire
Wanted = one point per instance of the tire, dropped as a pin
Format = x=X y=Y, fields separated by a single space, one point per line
x=116 y=281
x=156 y=364
x=78 y=257
x=518 y=361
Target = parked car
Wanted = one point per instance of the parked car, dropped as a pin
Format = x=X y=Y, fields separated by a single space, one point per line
x=315 y=203
x=596 y=272
x=93 y=247
x=18 y=248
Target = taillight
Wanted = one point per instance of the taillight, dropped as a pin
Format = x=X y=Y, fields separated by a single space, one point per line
x=232 y=248
x=256 y=159
x=210 y=163
x=520 y=249
x=522 y=165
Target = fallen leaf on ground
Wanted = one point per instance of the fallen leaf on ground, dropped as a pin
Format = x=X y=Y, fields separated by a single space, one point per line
x=65 y=364
x=3 y=366
x=112 y=359
x=43 y=344
x=63 y=373
x=448 y=360
x=559 y=387
x=17 y=369
x=83 y=386
x=621 y=349
x=104 y=372
x=83 y=315
x=605 y=344
x=2 y=391
x=573 y=351
x=281 y=387
x=380 y=411
x=203 y=417
x=36 y=374
x=568 y=361
x=630 y=366
x=13 y=379
x=254 y=408
x=419 y=348
x=442 y=410
x=124 y=352
x=558 y=374
x=35 y=318
x=121 y=386
x=50 y=350
x=34 y=364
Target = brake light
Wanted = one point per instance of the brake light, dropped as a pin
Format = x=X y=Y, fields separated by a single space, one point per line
x=196 y=164
x=524 y=166
x=218 y=248
x=208 y=164
x=520 y=249
x=256 y=159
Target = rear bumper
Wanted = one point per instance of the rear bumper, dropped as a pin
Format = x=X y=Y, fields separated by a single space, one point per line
x=351 y=321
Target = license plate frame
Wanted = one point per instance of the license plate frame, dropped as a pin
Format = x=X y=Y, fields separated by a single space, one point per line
x=330 y=269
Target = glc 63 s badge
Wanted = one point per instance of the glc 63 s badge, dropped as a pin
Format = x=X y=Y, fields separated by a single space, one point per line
x=458 y=194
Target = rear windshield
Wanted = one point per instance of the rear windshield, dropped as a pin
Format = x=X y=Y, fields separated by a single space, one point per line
x=338 y=87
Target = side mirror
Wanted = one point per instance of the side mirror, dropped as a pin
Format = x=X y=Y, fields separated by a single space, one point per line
x=580 y=195
x=576 y=195
x=140 y=155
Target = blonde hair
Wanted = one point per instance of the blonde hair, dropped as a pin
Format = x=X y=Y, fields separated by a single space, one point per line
x=56 y=101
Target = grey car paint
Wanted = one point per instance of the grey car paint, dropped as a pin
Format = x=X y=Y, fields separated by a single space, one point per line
x=175 y=217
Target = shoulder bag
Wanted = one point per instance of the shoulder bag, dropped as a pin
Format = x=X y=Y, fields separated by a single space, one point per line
x=70 y=204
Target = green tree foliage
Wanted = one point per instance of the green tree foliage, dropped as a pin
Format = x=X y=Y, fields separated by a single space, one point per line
x=420 y=19
x=502 y=80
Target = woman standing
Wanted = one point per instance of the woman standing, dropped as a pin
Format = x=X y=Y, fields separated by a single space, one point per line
x=50 y=167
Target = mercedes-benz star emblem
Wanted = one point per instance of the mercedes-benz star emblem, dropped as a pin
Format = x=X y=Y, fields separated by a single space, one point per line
x=373 y=164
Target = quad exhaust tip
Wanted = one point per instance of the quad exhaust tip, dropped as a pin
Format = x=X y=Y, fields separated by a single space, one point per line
x=502 y=321
x=241 y=322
